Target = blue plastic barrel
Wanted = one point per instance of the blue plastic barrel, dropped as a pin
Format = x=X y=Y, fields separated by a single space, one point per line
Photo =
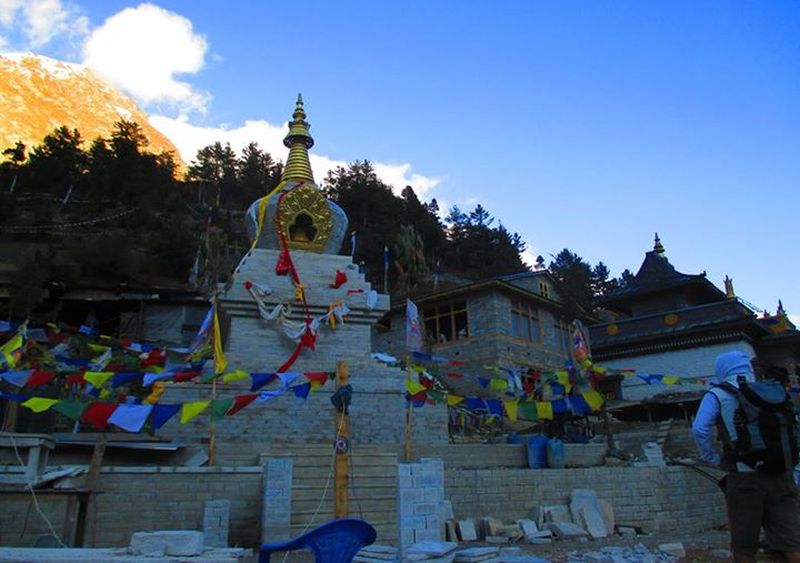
x=555 y=453
x=537 y=451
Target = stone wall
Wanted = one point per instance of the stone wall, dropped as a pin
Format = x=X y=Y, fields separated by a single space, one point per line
x=657 y=499
x=150 y=498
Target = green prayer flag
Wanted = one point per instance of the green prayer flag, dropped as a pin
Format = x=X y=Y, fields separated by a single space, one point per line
x=526 y=410
x=71 y=409
x=437 y=396
x=219 y=407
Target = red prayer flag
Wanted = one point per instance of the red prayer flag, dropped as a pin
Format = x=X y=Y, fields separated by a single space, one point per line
x=38 y=378
x=240 y=402
x=186 y=375
x=317 y=376
x=455 y=375
x=97 y=414
x=76 y=379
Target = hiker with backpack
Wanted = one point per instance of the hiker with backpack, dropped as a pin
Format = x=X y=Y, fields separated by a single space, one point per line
x=757 y=425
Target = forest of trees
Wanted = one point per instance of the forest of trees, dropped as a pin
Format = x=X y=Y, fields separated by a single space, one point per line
x=114 y=212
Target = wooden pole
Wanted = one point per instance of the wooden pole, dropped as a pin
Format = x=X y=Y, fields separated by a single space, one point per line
x=409 y=421
x=212 y=431
x=341 y=475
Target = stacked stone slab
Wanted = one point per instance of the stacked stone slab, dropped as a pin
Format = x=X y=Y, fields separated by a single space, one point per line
x=253 y=344
x=420 y=500
x=276 y=506
x=216 y=520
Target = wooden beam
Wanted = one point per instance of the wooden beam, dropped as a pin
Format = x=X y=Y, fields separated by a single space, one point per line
x=342 y=445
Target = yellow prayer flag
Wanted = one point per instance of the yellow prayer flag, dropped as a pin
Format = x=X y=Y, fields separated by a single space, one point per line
x=155 y=395
x=98 y=378
x=414 y=387
x=416 y=368
x=599 y=369
x=563 y=379
x=9 y=348
x=99 y=348
x=191 y=410
x=39 y=404
x=105 y=393
x=236 y=375
x=670 y=380
x=220 y=362
x=594 y=399
x=453 y=400
x=544 y=410
x=510 y=406
x=498 y=384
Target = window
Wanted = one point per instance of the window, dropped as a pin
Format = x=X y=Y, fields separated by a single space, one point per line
x=544 y=290
x=525 y=321
x=561 y=336
x=444 y=323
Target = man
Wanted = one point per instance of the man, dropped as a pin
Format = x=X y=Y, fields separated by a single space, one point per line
x=754 y=496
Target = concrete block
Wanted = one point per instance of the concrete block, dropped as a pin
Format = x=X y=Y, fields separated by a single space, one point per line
x=566 y=530
x=586 y=512
x=467 y=531
x=180 y=543
x=675 y=549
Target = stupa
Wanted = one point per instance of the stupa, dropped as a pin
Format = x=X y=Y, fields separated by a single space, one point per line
x=295 y=303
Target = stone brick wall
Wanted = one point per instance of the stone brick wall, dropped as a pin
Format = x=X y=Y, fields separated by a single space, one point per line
x=150 y=498
x=657 y=499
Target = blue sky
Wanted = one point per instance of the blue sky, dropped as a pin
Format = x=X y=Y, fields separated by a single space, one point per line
x=586 y=125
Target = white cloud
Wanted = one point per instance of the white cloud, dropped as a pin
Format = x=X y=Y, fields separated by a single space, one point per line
x=399 y=176
x=795 y=319
x=142 y=49
x=8 y=11
x=39 y=22
x=189 y=138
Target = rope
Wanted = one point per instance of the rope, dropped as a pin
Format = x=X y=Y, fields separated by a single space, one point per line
x=29 y=486
x=57 y=226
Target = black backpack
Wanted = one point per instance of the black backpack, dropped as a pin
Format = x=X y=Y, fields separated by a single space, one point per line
x=766 y=426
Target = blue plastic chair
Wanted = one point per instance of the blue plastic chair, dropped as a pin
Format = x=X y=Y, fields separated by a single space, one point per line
x=336 y=541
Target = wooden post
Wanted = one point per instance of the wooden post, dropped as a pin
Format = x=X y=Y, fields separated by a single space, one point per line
x=407 y=441
x=342 y=447
x=212 y=431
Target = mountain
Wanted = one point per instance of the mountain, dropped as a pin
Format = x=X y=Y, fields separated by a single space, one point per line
x=39 y=94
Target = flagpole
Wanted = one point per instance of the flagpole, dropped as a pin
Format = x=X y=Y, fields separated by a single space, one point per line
x=409 y=413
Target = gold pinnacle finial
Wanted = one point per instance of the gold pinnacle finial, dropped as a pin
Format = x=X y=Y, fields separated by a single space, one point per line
x=729 y=294
x=657 y=246
x=298 y=140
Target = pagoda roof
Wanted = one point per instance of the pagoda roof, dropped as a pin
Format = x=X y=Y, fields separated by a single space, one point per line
x=657 y=274
x=683 y=327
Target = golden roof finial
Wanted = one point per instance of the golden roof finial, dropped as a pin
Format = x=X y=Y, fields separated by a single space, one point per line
x=298 y=140
x=658 y=247
x=729 y=294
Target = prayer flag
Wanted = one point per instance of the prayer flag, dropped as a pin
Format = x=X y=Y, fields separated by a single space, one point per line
x=453 y=400
x=130 y=417
x=302 y=390
x=240 y=402
x=71 y=409
x=39 y=404
x=236 y=375
x=98 y=378
x=18 y=378
x=97 y=414
x=527 y=411
x=258 y=380
x=219 y=407
x=413 y=328
x=414 y=387
x=220 y=362
x=594 y=399
x=192 y=409
x=162 y=413
x=495 y=407
x=510 y=406
x=544 y=410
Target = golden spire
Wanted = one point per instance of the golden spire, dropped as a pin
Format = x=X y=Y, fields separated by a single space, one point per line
x=298 y=141
x=658 y=247
x=729 y=294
